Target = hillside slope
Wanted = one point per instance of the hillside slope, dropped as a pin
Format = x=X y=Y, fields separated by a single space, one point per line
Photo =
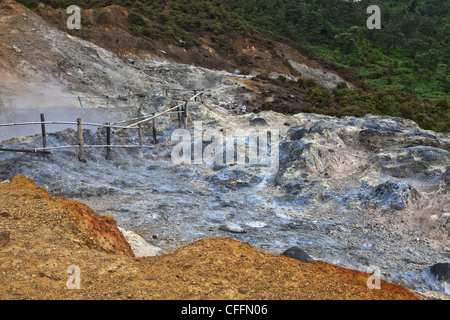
x=403 y=73
x=45 y=67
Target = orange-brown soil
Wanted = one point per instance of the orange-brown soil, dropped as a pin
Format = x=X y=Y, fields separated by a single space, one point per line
x=48 y=234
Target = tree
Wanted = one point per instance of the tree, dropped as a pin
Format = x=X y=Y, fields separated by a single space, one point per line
x=345 y=42
x=429 y=59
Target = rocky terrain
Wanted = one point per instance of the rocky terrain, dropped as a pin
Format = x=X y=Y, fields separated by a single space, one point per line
x=49 y=234
x=46 y=66
x=351 y=192
x=353 y=217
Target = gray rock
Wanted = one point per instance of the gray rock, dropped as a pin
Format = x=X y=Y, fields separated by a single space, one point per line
x=217 y=167
x=418 y=162
x=439 y=275
x=388 y=196
x=232 y=227
x=298 y=254
x=234 y=178
x=430 y=156
x=366 y=246
x=316 y=129
x=296 y=133
x=16 y=49
x=446 y=177
x=258 y=121
x=441 y=271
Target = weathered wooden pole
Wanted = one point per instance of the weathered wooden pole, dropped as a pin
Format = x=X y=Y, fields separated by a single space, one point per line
x=108 y=142
x=79 y=99
x=80 y=139
x=44 y=135
x=155 y=141
x=179 y=116
x=141 y=154
x=185 y=115
x=25 y=150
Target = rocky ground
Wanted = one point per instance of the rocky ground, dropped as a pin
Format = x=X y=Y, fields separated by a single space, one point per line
x=47 y=68
x=353 y=192
x=48 y=235
x=353 y=212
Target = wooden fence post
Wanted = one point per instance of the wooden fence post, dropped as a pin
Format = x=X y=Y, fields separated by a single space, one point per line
x=179 y=116
x=108 y=142
x=80 y=138
x=154 y=130
x=185 y=115
x=44 y=136
x=79 y=99
x=141 y=154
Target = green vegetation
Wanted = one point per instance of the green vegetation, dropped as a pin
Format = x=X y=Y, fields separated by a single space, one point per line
x=306 y=96
x=401 y=69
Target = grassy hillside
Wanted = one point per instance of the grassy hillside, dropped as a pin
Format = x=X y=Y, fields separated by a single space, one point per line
x=400 y=70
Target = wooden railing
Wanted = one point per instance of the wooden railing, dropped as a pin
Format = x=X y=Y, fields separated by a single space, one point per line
x=181 y=110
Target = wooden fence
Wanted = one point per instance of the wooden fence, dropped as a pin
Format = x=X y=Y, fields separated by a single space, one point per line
x=181 y=110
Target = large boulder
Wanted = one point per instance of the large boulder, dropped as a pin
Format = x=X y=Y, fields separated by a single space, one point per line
x=388 y=196
x=258 y=121
x=421 y=163
x=298 y=254
x=439 y=274
x=441 y=271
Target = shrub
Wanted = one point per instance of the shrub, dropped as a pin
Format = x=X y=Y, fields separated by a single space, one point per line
x=282 y=79
x=136 y=19
x=310 y=83
x=263 y=76
x=314 y=93
x=301 y=83
x=222 y=44
x=341 y=85
x=244 y=60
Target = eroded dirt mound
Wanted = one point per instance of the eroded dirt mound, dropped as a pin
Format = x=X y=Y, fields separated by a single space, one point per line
x=49 y=234
x=33 y=214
